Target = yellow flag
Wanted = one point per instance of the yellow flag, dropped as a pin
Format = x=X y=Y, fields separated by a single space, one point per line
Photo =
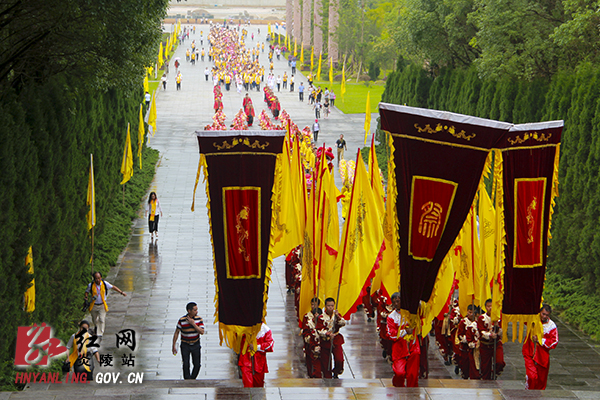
x=331 y=72
x=91 y=197
x=141 y=133
x=308 y=286
x=368 y=116
x=319 y=68
x=30 y=292
x=160 y=55
x=279 y=39
x=127 y=163
x=375 y=178
x=487 y=233
x=167 y=48
x=329 y=236
x=465 y=258
x=312 y=58
x=285 y=232
x=343 y=88
x=295 y=47
x=146 y=86
x=302 y=54
x=299 y=185
x=152 y=115
x=269 y=29
x=361 y=241
x=390 y=263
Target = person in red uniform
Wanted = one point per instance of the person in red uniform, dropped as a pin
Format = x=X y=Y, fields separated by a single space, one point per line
x=455 y=318
x=536 y=352
x=468 y=337
x=383 y=310
x=312 y=340
x=489 y=339
x=406 y=351
x=441 y=327
x=254 y=367
x=328 y=326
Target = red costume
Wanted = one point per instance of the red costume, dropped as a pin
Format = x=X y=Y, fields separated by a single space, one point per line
x=312 y=345
x=442 y=330
x=537 y=357
x=454 y=319
x=383 y=310
x=255 y=367
x=468 y=335
x=325 y=324
x=486 y=347
x=405 y=352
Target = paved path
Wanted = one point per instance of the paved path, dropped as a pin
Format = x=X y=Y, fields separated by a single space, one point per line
x=161 y=277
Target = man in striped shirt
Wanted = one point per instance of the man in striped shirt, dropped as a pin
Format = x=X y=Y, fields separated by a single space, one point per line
x=191 y=327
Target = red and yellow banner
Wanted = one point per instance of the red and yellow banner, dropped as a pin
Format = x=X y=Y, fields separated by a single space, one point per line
x=240 y=169
x=241 y=218
x=430 y=204
x=439 y=158
x=530 y=155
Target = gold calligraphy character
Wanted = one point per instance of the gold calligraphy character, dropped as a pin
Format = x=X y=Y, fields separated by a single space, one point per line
x=242 y=233
x=431 y=219
x=531 y=220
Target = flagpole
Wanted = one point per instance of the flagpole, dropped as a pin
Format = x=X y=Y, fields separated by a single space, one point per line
x=92 y=249
x=346 y=238
x=321 y=249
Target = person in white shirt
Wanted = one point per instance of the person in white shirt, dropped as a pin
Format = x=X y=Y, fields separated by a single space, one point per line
x=147 y=97
x=98 y=308
x=153 y=211
x=278 y=83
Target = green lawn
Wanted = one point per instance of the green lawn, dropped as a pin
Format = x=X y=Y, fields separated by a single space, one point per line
x=153 y=85
x=355 y=99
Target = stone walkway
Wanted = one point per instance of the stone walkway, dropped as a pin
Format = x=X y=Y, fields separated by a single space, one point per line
x=161 y=277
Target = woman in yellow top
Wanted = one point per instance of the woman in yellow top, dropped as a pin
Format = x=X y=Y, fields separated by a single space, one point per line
x=153 y=208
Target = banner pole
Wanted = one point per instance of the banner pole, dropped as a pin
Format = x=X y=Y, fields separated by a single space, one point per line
x=92 y=249
x=346 y=237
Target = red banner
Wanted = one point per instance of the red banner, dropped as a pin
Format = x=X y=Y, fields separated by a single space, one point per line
x=430 y=204
x=530 y=197
x=241 y=218
x=439 y=158
x=240 y=172
x=530 y=176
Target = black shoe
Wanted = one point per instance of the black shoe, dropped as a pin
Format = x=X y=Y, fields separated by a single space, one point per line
x=448 y=362
x=384 y=354
x=335 y=376
x=456 y=370
x=369 y=319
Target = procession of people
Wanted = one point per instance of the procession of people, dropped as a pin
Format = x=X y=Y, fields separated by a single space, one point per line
x=468 y=338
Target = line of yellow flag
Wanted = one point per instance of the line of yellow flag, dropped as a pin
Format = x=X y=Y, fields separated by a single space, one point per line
x=127 y=163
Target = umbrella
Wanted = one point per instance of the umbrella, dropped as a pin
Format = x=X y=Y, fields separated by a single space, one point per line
x=177 y=58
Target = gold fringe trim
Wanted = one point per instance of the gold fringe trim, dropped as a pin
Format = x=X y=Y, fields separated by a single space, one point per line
x=233 y=334
x=554 y=193
x=431 y=313
x=498 y=291
x=212 y=244
x=393 y=195
x=518 y=321
x=414 y=321
x=201 y=161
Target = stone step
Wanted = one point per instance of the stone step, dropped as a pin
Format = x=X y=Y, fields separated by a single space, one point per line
x=293 y=389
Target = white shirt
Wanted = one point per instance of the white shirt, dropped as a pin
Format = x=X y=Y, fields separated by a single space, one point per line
x=99 y=290
x=158 y=209
x=148 y=97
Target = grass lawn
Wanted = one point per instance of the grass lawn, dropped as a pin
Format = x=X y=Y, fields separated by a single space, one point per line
x=153 y=85
x=355 y=99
